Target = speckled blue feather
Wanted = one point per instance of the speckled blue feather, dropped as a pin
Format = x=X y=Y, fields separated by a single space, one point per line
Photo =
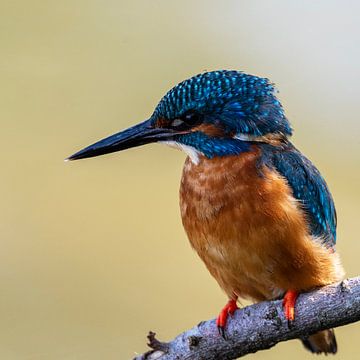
x=308 y=186
x=241 y=103
x=212 y=146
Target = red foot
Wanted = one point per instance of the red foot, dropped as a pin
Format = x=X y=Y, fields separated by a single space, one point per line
x=289 y=304
x=227 y=310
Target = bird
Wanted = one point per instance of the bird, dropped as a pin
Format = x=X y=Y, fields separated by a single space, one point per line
x=258 y=213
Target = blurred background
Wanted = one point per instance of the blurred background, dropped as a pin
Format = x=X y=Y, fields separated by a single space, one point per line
x=93 y=254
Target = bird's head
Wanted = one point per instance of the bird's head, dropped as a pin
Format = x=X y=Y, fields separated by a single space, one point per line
x=215 y=114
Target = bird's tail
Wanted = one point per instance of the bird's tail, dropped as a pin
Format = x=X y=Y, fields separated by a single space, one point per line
x=321 y=342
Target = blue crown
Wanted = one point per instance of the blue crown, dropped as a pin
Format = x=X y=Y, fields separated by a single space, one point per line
x=240 y=103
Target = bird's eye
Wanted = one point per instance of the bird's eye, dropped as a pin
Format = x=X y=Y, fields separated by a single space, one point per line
x=186 y=121
x=191 y=118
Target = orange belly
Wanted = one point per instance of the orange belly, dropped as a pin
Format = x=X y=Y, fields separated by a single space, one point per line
x=250 y=231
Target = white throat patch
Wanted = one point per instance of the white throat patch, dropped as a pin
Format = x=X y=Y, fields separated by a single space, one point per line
x=188 y=150
x=245 y=137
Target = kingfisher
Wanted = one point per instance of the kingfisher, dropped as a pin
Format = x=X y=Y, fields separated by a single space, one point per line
x=255 y=209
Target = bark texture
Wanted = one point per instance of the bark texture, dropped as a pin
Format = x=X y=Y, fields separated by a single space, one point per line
x=263 y=325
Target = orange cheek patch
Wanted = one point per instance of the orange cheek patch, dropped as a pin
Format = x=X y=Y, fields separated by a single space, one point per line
x=162 y=122
x=210 y=130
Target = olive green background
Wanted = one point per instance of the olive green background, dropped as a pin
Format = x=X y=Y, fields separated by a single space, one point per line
x=93 y=254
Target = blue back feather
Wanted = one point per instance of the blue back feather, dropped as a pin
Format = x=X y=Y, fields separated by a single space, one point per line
x=309 y=187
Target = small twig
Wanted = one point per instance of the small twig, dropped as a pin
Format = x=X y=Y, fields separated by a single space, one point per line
x=262 y=326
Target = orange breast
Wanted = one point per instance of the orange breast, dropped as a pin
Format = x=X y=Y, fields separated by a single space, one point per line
x=249 y=230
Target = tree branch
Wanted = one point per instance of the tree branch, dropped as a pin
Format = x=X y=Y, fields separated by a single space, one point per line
x=263 y=325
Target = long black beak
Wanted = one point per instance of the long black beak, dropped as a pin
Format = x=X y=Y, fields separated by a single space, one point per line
x=140 y=134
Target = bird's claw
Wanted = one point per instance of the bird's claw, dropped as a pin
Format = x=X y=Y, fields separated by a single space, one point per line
x=221 y=320
x=221 y=330
x=289 y=302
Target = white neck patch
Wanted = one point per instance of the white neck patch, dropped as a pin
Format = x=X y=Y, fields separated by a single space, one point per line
x=189 y=150
x=245 y=137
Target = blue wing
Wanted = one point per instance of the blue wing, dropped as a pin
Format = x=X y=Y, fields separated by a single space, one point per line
x=310 y=188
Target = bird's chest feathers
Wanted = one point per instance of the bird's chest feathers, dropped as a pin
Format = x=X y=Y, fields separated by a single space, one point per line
x=239 y=217
x=216 y=195
x=219 y=201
